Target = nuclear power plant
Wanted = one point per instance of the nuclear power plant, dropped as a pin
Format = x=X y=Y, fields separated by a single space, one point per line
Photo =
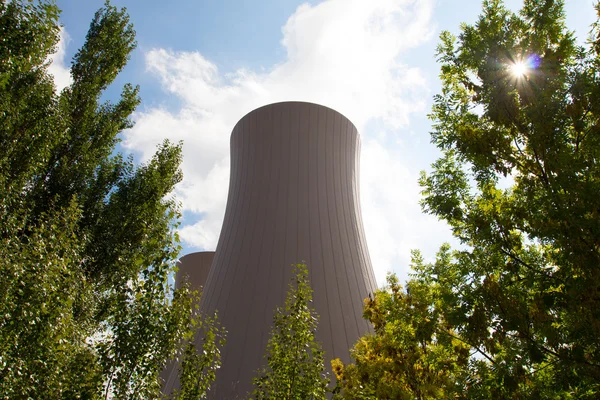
x=293 y=197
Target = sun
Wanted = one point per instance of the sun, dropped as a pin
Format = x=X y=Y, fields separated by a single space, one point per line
x=518 y=69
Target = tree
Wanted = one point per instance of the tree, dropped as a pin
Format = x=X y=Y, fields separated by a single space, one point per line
x=87 y=239
x=411 y=355
x=527 y=287
x=295 y=360
x=199 y=366
x=518 y=183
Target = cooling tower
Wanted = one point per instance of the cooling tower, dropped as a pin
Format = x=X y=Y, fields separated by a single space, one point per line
x=293 y=197
x=194 y=268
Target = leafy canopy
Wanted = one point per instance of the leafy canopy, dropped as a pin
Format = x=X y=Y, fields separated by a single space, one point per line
x=413 y=353
x=518 y=182
x=87 y=239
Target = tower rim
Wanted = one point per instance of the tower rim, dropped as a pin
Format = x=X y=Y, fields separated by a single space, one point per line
x=278 y=103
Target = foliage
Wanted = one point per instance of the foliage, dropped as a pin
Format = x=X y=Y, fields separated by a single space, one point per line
x=87 y=239
x=295 y=360
x=198 y=367
x=413 y=354
x=518 y=183
x=526 y=290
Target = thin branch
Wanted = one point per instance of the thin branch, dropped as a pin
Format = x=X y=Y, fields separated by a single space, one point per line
x=471 y=345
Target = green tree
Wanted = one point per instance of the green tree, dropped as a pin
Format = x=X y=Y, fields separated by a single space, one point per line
x=518 y=182
x=525 y=291
x=87 y=239
x=295 y=360
x=413 y=354
x=199 y=365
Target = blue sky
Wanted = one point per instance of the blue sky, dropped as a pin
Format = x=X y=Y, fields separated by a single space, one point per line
x=202 y=65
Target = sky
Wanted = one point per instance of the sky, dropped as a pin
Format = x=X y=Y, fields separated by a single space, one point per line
x=202 y=65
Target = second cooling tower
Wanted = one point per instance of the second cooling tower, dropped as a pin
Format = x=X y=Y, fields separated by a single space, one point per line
x=293 y=197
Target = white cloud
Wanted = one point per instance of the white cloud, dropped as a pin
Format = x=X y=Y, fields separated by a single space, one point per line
x=394 y=222
x=58 y=68
x=346 y=54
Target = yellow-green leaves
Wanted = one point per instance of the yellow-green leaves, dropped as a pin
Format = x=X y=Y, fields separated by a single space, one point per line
x=411 y=355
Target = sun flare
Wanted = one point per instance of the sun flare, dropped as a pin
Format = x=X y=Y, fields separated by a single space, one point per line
x=518 y=69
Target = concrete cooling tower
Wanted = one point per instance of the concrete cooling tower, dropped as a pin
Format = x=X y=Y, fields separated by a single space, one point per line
x=293 y=197
x=195 y=268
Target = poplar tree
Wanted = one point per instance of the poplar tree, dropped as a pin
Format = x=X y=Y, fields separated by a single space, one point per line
x=87 y=238
x=295 y=363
